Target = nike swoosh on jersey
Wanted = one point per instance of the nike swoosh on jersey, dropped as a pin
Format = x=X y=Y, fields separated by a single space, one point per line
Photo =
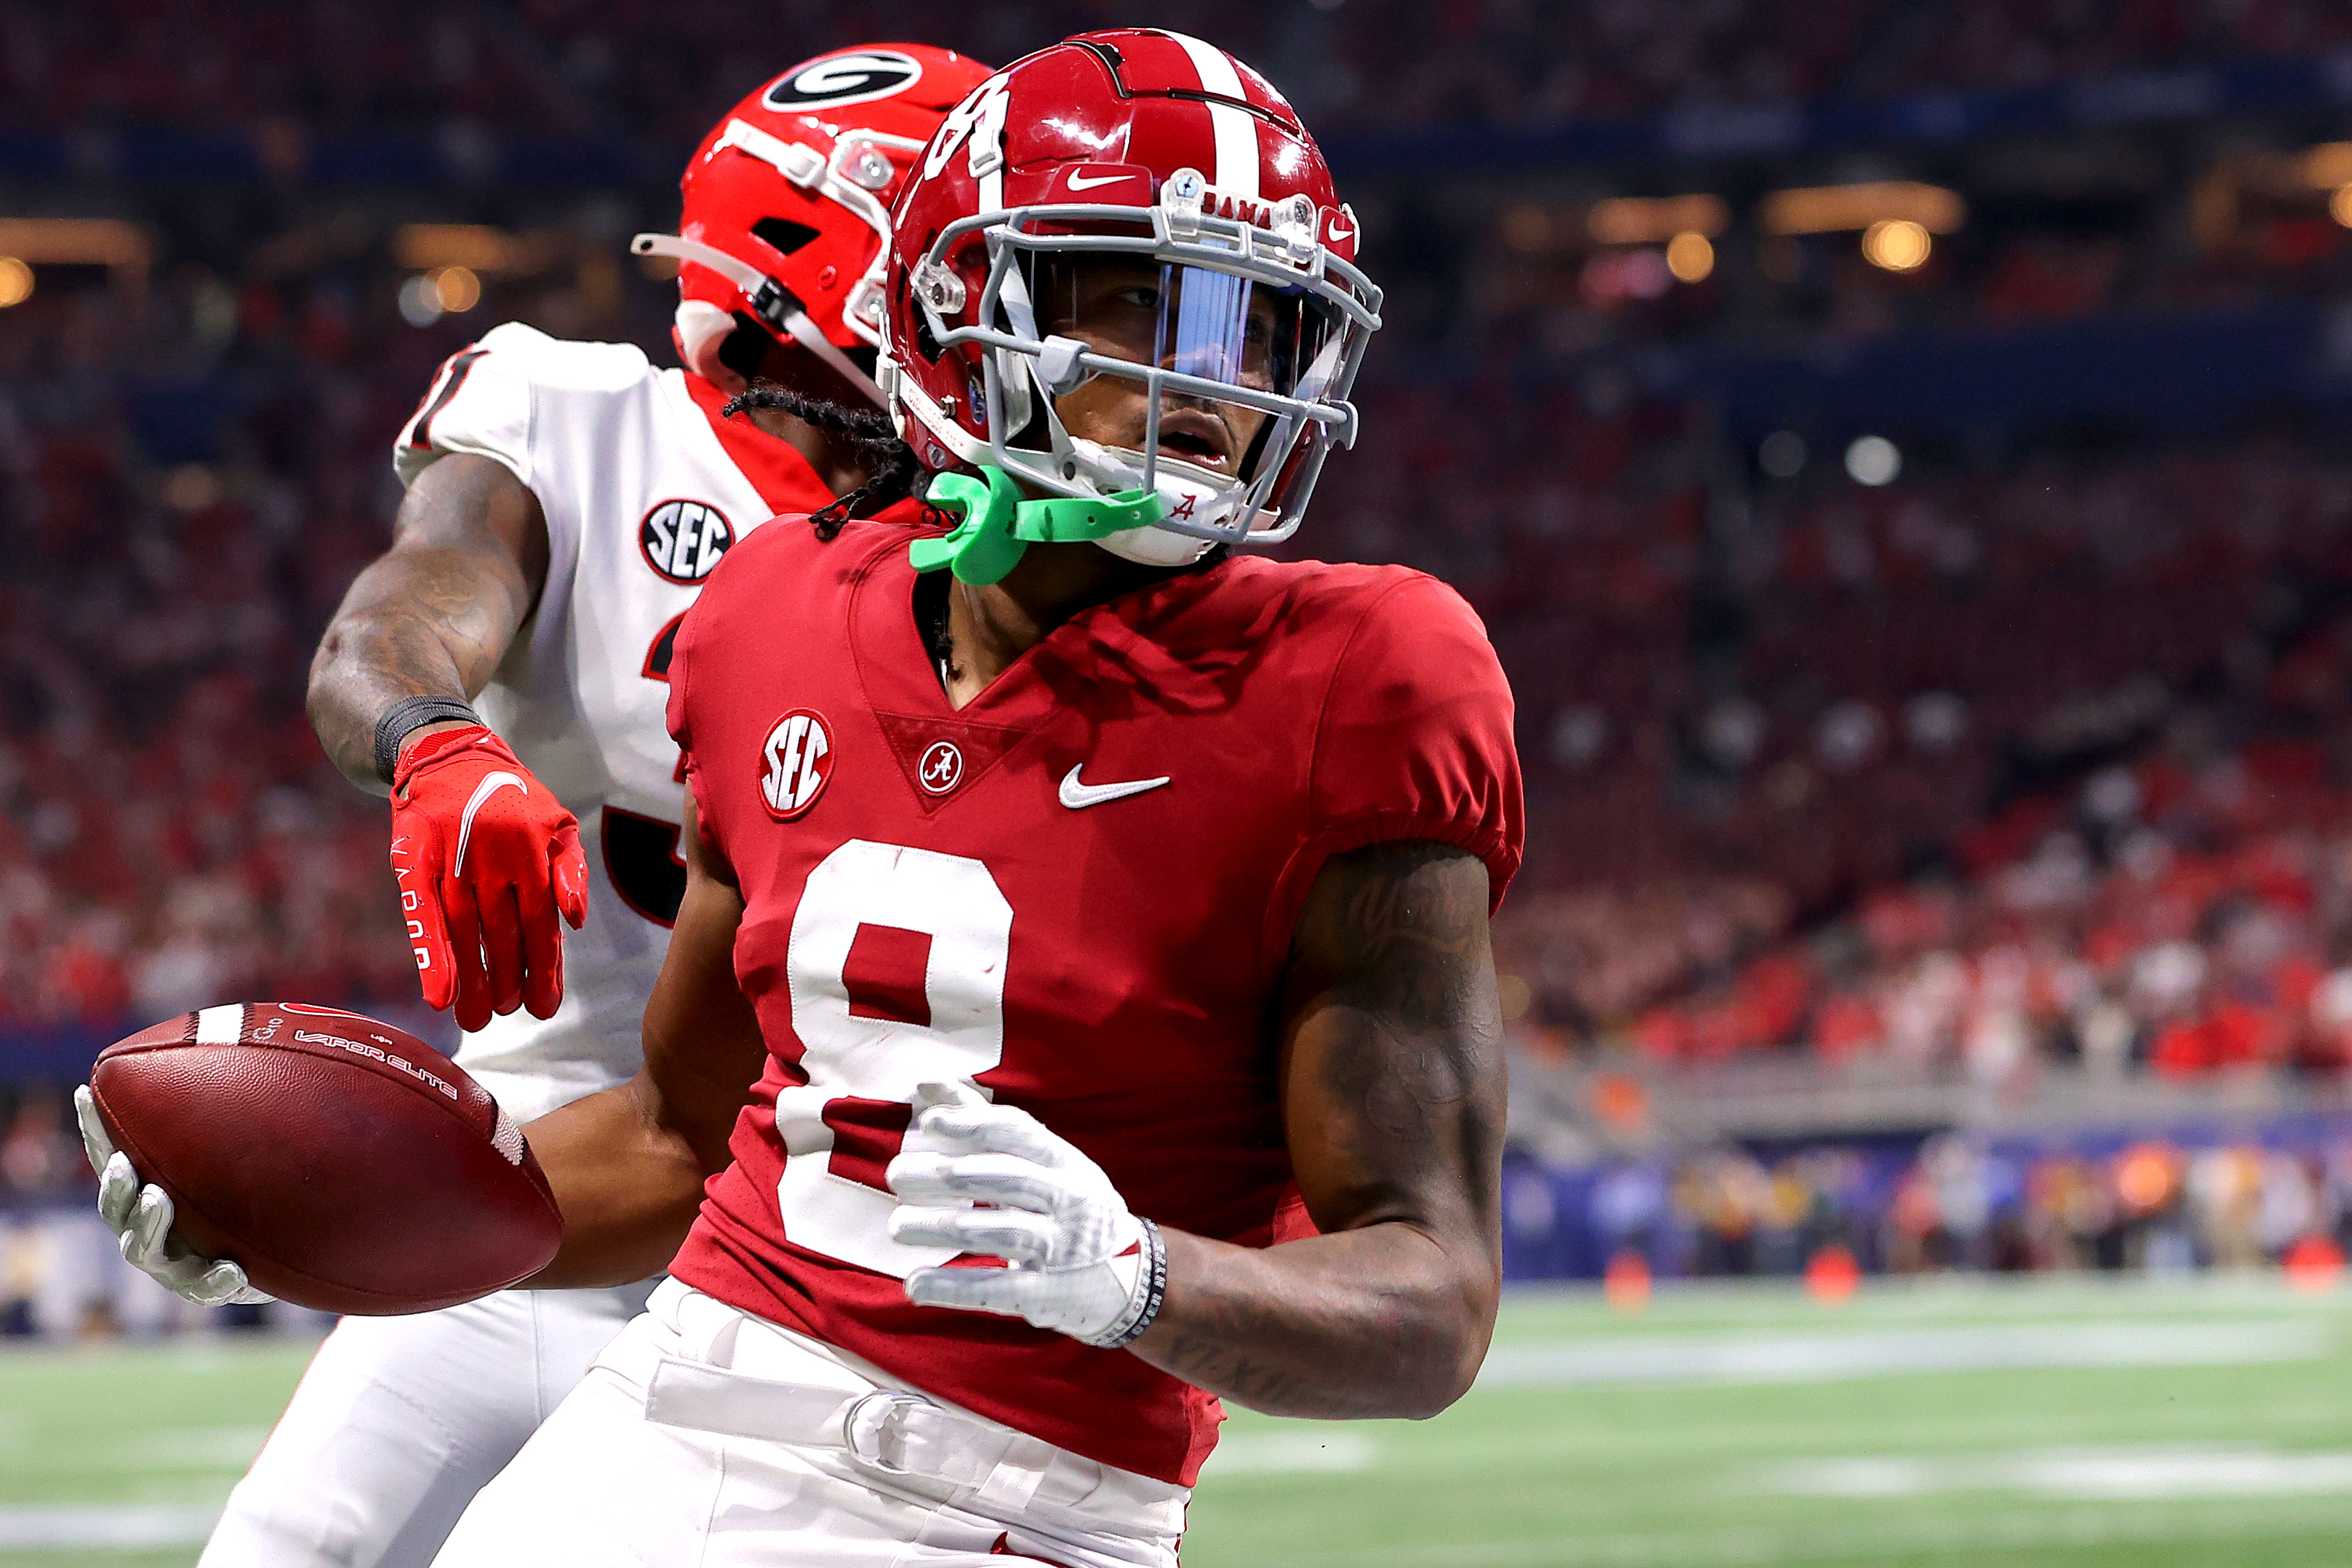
x=1078 y=796
x=1080 y=183
x=491 y=784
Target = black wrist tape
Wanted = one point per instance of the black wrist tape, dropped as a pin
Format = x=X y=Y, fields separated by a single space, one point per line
x=405 y=717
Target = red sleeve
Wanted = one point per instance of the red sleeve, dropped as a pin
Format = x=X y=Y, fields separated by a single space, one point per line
x=1414 y=741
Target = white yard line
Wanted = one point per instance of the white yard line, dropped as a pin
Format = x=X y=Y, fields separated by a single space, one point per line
x=2151 y=1473
x=194 y=1448
x=1822 y=1358
x=1323 y=1449
x=128 y=1525
x=1992 y=1531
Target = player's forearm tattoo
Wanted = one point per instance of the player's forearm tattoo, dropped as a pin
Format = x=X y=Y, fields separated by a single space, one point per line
x=1395 y=1080
x=433 y=617
x=1415 y=1044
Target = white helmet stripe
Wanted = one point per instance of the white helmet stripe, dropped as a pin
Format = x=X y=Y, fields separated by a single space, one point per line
x=1237 y=129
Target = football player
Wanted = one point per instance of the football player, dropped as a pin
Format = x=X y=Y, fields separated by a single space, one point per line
x=1109 y=910
x=566 y=502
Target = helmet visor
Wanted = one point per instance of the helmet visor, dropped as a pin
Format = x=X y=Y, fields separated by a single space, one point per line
x=1212 y=326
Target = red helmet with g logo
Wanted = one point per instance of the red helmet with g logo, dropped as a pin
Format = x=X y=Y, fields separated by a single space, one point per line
x=1167 y=159
x=785 y=208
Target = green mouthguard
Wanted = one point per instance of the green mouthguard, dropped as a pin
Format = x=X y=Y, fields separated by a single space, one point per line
x=998 y=527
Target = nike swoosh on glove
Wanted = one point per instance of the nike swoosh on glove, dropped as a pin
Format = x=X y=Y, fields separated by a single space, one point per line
x=1078 y=1256
x=487 y=858
x=140 y=1217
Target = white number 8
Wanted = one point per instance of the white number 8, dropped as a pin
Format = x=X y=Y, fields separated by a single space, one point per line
x=953 y=900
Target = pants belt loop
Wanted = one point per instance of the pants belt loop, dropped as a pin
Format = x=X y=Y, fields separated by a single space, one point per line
x=1012 y=1484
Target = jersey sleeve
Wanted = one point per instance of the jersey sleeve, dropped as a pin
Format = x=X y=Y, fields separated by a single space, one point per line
x=480 y=401
x=1413 y=742
x=485 y=398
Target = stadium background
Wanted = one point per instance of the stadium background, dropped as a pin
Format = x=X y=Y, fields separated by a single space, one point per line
x=1899 y=450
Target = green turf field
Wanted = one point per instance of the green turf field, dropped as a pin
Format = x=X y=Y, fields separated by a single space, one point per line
x=2024 y=1425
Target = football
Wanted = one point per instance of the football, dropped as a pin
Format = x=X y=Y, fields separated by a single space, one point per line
x=345 y=1164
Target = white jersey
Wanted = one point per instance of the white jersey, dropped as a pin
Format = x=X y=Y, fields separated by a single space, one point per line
x=644 y=489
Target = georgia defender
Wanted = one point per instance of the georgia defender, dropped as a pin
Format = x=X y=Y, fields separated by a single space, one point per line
x=566 y=502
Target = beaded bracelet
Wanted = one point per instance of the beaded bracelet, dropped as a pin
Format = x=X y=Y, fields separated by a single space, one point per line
x=1155 y=1293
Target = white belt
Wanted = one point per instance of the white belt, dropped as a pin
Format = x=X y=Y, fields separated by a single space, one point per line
x=900 y=1435
x=896 y=1433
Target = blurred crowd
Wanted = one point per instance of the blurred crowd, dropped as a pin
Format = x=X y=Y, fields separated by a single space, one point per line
x=2047 y=756
x=190 y=479
x=541 y=68
x=1951 y=1203
x=61 y=1275
x=2041 y=755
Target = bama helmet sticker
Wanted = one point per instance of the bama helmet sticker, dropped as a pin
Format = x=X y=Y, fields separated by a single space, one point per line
x=683 y=540
x=860 y=76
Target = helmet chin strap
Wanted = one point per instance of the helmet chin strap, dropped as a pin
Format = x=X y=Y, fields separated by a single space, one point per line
x=769 y=300
x=998 y=524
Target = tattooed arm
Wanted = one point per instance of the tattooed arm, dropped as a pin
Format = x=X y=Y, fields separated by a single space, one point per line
x=434 y=613
x=1393 y=1074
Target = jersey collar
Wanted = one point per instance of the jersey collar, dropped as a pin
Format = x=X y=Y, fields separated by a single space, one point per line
x=784 y=480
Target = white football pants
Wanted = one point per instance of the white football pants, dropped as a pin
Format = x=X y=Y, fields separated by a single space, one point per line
x=705 y=1438
x=400 y=1421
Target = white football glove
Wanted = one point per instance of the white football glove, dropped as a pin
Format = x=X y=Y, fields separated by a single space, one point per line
x=1081 y=1263
x=140 y=1217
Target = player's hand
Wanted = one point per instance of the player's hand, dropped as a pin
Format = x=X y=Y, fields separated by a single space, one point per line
x=487 y=858
x=140 y=1217
x=1080 y=1261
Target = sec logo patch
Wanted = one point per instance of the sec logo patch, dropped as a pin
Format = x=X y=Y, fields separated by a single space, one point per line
x=795 y=761
x=683 y=540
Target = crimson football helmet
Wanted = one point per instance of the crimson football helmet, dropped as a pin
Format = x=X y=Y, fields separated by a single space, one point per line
x=1149 y=175
x=786 y=204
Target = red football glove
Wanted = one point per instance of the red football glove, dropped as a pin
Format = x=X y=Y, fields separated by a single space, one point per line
x=487 y=856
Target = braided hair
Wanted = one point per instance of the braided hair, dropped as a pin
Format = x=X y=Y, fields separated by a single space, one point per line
x=867 y=432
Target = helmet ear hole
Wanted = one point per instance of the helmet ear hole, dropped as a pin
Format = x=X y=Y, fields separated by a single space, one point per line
x=745 y=349
x=782 y=234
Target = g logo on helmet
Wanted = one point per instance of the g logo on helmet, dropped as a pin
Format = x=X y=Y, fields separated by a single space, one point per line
x=795 y=761
x=860 y=76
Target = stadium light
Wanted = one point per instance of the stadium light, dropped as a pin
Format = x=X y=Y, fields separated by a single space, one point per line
x=1896 y=245
x=1839 y=209
x=29 y=242
x=458 y=289
x=1873 y=460
x=1526 y=228
x=479 y=248
x=15 y=281
x=420 y=300
x=2328 y=166
x=1647 y=220
x=1690 y=256
x=1782 y=454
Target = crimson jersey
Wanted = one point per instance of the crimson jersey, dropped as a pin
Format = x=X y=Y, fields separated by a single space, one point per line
x=1077 y=893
